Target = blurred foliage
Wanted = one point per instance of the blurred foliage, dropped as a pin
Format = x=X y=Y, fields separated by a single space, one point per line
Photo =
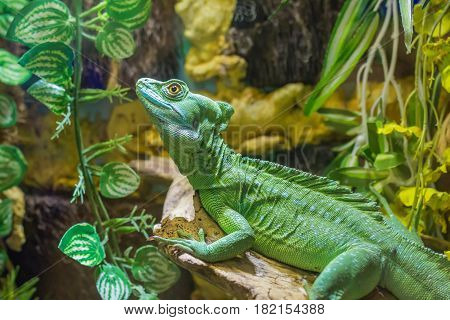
x=54 y=57
x=13 y=167
x=399 y=154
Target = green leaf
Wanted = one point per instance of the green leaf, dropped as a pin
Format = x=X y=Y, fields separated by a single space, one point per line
x=42 y=21
x=351 y=37
x=3 y=260
x=5 y=22
x=390 y=160
x=8 y=111
x=12 y=167
x=376 y=141
x=148 y=296
x=340 y=119
x=357 y=177
x=82 y=243
x=153 y=269
x=113 y=283
x=14 y=6
x=349 y=160
x=115 y=41
x=51 y=95
x=406 y=12
x=11 y=73
x=6 y=217
x=51 y=61
x=142 y=294
x=118 y=180
x=133 y=14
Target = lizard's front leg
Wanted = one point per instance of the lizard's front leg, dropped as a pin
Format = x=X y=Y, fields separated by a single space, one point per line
x=239 y=238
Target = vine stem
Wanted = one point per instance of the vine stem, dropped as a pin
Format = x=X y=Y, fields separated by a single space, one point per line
x=368 y=69
x=94 y=9
x=90 y=189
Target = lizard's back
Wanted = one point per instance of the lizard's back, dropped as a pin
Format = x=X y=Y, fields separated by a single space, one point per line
x=306 y=221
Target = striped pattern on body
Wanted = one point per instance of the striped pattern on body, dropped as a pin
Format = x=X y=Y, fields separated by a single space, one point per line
x=118 y=180
x=115 y=41
x=12 y=166
x=113 y=283
x=153 y=269
x=51 y=95
x=11 y=73
x=43 y=21
x=51 y=61
x=82 y=243
x=8 y=111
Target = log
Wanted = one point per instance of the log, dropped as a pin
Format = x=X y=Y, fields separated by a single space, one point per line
x=249 y=276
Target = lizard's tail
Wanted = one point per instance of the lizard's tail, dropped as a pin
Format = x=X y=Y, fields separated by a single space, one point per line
x=416 y=272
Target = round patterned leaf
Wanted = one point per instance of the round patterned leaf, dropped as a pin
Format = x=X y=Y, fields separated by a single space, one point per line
x=118 y=180
x=8 y=113
x=42 y=21
x=148 y=296
x=153 y=269
x=115 y=41
x=113 y=283
x=12 y=166
x=51 y=95
x=11 y=73
x=82 y=243
x=3 y=260
x=51 y=61
x=6 y=217
x=5 y=22
x=133 y=14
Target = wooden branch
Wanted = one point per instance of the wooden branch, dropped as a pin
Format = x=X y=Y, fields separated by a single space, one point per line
x=250 y=276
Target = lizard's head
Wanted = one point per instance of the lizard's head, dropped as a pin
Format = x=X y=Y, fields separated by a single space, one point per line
x=184 y=120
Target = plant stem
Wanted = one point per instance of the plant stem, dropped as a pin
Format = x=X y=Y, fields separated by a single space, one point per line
x=94 y=9
x=89 y=36
x=92 y=22
x=368 y=68
x=78 y=137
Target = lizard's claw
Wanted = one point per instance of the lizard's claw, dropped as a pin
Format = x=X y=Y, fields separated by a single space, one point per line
x=194 y=247
x=184 y=234
x=201 y=235
x=184 y=248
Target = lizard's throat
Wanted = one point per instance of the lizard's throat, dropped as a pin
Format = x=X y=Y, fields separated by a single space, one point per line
x=204 y=164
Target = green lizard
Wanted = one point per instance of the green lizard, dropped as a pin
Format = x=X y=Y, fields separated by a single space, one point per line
x=294 y=217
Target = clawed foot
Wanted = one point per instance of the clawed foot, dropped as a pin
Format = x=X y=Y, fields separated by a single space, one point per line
x=187 y=243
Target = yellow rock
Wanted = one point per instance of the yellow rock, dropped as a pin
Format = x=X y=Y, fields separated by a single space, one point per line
x=17 y=238
x=132 y=118
x=266 y=121
x=205 y=26
x=51 y=163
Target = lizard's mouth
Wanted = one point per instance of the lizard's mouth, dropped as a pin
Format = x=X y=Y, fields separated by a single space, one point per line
x=161 y=111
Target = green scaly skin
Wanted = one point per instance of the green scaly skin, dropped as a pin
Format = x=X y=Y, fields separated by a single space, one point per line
x=302 y=220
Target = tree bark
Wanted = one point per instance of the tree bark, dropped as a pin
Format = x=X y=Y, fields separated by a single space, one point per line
x=287 y=48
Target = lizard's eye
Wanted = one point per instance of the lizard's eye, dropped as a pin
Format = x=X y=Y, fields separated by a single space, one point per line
x=174 y=89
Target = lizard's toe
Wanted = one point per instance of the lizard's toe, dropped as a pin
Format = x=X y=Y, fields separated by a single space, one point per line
x=184 y=234
x=201 y=235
